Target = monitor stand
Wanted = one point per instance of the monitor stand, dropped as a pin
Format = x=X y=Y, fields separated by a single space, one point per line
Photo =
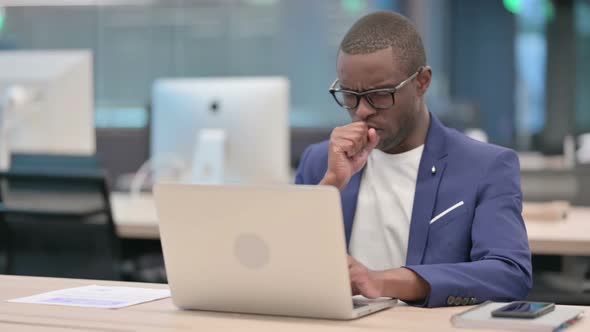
x=12 y=100
x=208 y=164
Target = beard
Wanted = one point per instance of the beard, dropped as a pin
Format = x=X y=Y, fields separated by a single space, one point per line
x=393 y=139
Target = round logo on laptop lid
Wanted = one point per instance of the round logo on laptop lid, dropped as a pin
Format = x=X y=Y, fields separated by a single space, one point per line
x=251 y=251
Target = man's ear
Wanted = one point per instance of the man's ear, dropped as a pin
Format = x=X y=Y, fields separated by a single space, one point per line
x=424 y=78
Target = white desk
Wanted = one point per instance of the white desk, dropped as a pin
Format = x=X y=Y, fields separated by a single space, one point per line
x=136 y=218
x=570 y=236
x=161 y=315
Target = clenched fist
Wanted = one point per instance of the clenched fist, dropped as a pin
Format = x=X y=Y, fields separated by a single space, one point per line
x=350 y=146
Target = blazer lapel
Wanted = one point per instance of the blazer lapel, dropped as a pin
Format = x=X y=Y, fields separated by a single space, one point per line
x=349 y=198
x=430 y=172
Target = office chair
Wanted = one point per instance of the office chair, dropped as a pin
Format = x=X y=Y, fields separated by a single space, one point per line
x=56 y=220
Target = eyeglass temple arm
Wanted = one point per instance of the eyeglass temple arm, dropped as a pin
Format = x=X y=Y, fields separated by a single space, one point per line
x=333 y=86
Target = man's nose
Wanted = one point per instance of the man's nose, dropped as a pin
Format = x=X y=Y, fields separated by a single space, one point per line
x=364 y=109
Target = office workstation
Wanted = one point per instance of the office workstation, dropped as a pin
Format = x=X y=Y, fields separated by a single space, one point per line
x=180 y=146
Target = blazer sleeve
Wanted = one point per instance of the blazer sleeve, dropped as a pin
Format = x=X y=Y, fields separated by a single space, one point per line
x=500 y=267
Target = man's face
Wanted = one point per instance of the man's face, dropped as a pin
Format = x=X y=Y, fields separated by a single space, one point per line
x=362 y=72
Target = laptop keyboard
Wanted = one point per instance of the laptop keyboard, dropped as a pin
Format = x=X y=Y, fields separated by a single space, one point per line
x=356 y=305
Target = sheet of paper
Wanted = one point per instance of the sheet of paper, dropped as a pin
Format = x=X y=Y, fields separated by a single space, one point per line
x=94 y=296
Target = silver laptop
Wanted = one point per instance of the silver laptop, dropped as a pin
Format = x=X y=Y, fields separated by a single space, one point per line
x=258 y=249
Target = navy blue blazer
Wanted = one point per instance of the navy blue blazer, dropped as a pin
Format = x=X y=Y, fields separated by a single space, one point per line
x=478 y=251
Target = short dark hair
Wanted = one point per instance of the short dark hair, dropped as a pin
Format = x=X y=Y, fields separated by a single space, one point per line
x=381 y=30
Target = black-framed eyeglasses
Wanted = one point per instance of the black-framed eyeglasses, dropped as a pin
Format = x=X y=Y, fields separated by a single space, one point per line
x=377 y=98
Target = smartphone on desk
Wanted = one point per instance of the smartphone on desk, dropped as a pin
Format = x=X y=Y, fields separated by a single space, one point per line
x=524 y=309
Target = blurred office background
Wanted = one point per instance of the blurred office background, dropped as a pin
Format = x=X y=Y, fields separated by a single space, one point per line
x=516 y=70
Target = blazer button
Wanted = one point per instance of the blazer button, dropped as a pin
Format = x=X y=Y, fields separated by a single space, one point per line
x=472 y=300
x=458 y=300
x=465 y=301
x=450 y=300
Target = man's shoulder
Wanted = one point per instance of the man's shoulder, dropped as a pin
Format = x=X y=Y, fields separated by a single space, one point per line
x=316 y=155
x=313 y=164
x=319 y=149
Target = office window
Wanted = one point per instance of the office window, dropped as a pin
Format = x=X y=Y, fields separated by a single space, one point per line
x=582 y=28
x=135 y=44
x=531 y=62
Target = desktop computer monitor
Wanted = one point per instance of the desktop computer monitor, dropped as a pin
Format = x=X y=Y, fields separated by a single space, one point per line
x=221 y=130
x=59 y=119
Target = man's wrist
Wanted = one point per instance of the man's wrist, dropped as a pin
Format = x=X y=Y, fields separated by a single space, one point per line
x=331 y=179
x=404 y=284
x=380 y=280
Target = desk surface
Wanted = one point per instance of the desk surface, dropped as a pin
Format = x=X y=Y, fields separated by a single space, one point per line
x=570 y=236
x=163 y=316
x=136 y=218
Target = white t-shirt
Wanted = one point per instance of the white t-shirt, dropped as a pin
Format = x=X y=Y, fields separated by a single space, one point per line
x=381 y=227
